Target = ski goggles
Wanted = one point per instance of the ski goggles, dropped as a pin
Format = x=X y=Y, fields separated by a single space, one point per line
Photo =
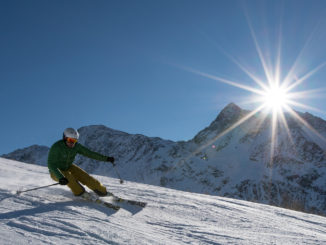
x=71 y=140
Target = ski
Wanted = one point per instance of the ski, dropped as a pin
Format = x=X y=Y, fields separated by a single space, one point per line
x=122 y=200
x=132 y=202
x=107 y=204
x=91 y=198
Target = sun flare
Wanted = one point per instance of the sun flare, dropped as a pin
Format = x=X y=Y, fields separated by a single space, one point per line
x=275 y=98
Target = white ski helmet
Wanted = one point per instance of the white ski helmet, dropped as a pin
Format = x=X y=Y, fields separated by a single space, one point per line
x=71 y=133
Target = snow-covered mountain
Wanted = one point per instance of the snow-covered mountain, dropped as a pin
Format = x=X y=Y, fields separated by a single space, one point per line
x=34 y=154
x=232 y=157
x=53 y=216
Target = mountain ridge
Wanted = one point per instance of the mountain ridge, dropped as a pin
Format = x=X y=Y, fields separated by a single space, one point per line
x=227 y=158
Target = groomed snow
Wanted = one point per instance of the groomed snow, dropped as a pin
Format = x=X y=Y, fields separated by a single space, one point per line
x=54 y=216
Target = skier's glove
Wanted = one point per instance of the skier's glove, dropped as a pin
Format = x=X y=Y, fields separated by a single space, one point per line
x=111 y=160
x=63 y=181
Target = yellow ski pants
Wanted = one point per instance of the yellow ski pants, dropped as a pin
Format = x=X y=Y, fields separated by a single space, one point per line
x=75 y=175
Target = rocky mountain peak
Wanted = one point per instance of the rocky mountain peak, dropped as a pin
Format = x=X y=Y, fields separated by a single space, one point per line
x=227 y=117
x=230 y=110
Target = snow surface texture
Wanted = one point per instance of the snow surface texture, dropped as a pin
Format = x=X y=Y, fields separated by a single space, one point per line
x=54 y=216
x=221 y=160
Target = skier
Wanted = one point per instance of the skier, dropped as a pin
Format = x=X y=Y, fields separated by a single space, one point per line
x=62 y=169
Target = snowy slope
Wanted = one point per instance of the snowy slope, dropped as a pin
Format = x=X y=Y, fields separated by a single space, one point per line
x=53 y=216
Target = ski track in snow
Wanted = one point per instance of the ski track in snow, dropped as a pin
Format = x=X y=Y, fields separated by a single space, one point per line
x=54 y=216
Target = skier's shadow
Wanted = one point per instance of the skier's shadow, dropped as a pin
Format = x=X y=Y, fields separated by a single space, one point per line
x=63 y=206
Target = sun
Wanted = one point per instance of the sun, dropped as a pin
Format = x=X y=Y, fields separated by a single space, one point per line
x=275 y=98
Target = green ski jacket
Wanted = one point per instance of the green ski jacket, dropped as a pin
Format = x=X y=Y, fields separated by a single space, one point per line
x=61 y=156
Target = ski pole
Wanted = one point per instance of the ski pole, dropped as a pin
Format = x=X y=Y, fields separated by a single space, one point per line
x=121 y=180
x=19 y=192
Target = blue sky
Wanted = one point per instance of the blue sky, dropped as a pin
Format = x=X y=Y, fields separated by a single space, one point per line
x=120 y=63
